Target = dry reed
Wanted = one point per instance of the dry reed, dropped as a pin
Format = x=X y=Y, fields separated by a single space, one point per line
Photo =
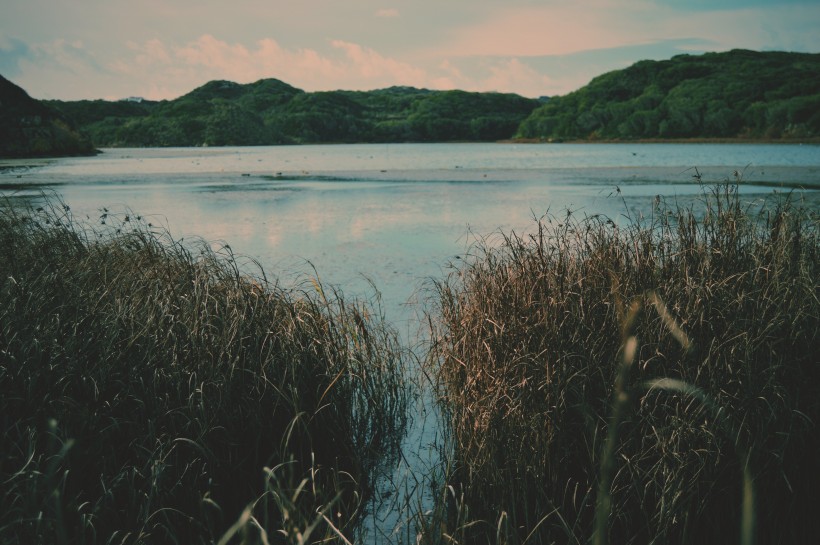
x=147 y=384
x=660 y=370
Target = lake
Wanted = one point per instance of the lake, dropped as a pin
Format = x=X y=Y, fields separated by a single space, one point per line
x=394 y=215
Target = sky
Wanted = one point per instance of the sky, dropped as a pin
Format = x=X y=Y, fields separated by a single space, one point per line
x=155 y=49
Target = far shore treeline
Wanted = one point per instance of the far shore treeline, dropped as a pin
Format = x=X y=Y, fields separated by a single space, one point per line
x=738 y=94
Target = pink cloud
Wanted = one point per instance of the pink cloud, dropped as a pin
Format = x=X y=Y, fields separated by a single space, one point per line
x=152 y=52
x=556 y=29
x=345 y=66
x=387 y=13
x=208 y=58
x=509 y=75
x=376 y=69
x=513 y=76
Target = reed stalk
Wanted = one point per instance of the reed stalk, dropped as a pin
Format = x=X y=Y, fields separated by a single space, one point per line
x=653 y=379
x=146 y=384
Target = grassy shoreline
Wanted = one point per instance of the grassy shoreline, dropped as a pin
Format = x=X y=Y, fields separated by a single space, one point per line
x=654 y=382
x=157 y=393
x=650 y=380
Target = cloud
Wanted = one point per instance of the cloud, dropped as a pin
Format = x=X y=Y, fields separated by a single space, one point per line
x=344 y=65
x=713 y=5
x=515 y=76
x=519 y=45
x=543 y=47
x=70 y=56
x=182 y=67
x=377 y=70
x=789 y=26
x=152 y=52
x=387 y=13
x=159 y=70
x=504 y=75
x=12 y=52
x=61 y=67
x=555 y=29
x=566 y=28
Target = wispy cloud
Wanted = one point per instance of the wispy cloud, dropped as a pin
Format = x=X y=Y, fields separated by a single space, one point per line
x=387 y=13
x=525 y=46
x=552 y=29
x=505 y=75
x=376 y=70
x=66 y=55
x=63 y=67
x=565 y=28
x=12 y=53
x=345 y=65
x=515 y=76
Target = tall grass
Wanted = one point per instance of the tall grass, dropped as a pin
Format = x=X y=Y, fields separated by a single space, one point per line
x=155 y=392
x=660 y=370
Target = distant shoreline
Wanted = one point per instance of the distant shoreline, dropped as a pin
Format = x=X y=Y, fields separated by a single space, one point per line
x=512 y=141
x=808 y=141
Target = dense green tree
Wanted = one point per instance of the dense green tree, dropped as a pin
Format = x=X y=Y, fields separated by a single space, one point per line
x=29 y=127
x=230 y=125
x=722 y=95
x=716 y=95
x=272 y=112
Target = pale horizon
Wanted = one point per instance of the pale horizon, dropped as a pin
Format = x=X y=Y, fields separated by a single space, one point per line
x=161 y=50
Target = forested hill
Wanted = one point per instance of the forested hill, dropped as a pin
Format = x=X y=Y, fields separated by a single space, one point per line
x=738 y=94
x=29 y=128
x=272 y=112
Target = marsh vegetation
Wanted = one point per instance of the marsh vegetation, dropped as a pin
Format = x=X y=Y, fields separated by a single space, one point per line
x=650 y=378
x=155 y=392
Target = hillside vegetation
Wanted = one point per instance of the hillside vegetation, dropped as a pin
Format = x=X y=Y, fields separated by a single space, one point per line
x=30 y=128
x=270 y=112
x=739 y=94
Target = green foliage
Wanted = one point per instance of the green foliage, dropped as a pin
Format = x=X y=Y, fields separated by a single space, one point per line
x=29 y=127
x=716 y=95
x=739 y=94
x=222 y=113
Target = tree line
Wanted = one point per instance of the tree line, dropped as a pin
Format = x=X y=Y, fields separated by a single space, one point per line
x=270 y=112
x=736 y=94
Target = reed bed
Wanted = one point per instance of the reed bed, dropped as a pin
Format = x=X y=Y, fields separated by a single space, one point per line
x=158 y=392
x=650 y=380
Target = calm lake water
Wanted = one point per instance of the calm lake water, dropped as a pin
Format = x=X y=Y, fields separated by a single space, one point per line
x=394 y=215
x=398 y=213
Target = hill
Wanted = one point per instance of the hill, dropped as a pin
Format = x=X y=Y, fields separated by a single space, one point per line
x=30 y=128
x=272 y=112
x=737 y=94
